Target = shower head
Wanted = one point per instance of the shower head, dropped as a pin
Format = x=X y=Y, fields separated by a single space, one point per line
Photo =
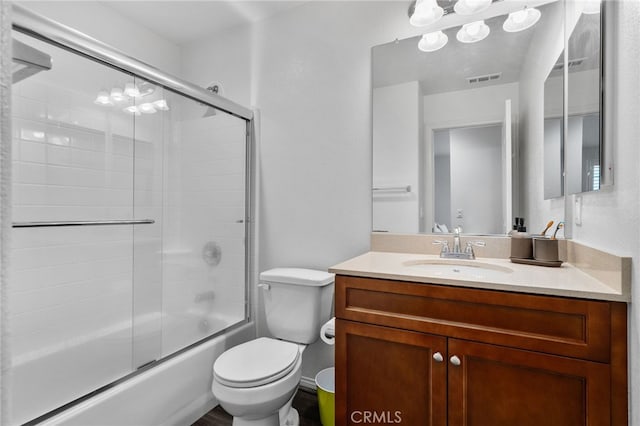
x=27 y=61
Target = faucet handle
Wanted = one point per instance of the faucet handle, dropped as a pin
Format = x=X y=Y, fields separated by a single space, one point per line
x=476 y=243
x=471 y=244
x=444 y=244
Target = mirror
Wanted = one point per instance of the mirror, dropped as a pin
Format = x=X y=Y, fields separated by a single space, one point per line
x=459 y=134
x=583 y=145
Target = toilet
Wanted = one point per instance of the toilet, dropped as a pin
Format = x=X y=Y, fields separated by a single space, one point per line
x=255 y=381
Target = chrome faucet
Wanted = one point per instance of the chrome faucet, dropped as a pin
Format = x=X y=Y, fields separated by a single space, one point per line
x=456 y=239
x=456 y=252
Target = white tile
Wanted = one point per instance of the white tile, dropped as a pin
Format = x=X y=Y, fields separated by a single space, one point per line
x=29 y=173
x=121 y=163
x=34 y=152
x=88 y=159
x=58 y=155
x=122 y=146
x=45 y=277
x=26 y=108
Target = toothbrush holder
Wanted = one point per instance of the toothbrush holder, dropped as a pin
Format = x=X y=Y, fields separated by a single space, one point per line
x=545 y=249
x=521 y=246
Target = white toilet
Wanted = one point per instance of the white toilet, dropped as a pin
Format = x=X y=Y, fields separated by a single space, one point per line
x=255 y=382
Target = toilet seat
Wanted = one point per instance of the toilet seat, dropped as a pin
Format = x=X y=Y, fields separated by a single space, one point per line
x=255 y=363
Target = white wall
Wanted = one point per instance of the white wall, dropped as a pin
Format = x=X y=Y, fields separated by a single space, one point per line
x=396 y=159
x=310 y=78
x=611 y=217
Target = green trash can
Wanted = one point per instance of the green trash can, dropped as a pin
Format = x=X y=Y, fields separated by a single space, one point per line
x=326 y=383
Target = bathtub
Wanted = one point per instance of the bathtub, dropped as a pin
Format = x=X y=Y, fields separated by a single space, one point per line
x=174 y=392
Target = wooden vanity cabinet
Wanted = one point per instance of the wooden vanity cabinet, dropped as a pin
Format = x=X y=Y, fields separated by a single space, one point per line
x=422 y=354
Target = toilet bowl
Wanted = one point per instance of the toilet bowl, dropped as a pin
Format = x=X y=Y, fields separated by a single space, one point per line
x=256 y=381
x=252 y=391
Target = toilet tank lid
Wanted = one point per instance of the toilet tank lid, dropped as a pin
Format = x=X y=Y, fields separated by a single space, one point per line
x=301 y=276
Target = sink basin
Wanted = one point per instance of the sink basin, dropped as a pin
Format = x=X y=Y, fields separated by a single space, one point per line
x=456 y=268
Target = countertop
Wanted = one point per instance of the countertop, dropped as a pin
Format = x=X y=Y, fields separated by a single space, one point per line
x=566 y=280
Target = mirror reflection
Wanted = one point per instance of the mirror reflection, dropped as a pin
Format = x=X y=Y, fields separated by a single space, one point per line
x=461 y=126
x=582 y=147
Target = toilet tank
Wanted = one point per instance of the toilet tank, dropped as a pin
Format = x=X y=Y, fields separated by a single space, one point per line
x=296 y=302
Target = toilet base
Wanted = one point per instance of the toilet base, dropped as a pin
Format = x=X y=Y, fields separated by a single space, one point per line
x=272 y=420
x=292 y=419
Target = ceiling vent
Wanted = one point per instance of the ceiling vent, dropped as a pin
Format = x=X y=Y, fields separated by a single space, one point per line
x=484 y=78
x=572 y=63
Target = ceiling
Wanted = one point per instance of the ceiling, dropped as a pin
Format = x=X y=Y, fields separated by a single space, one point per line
x=185 y=21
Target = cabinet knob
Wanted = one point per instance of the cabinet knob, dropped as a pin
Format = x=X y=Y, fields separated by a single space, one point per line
x=438 y=357
x=455 y=360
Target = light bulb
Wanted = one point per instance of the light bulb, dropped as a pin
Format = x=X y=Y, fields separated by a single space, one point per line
x=473 y=32
x=161 y=104
x=132 y=110
x=521 y=20
x=473 y=29
x=519 y=16
x=117 y=95
x=103 y=99
x=471 y=7
x=431 y=37
x=433 y=41
x=147 y=108
x=131 y=90
x=426 y=12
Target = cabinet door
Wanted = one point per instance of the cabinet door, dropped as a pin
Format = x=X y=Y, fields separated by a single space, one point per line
x=496 y=386
x=386 y=376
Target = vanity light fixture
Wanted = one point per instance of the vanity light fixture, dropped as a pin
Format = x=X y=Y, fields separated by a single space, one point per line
x=521 y=20
x=426 y=12
x=116 y=96
x=103 y=99
x=591 y=7
x=473 y=32
x=131 y=90
x=471 y=7
x=433 y=41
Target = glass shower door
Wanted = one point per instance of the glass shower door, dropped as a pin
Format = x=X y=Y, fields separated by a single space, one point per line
x=204 y=289
x=129 y=238
x=71 y=287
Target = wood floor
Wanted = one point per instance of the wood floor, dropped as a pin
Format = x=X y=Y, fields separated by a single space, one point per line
x=305 y=401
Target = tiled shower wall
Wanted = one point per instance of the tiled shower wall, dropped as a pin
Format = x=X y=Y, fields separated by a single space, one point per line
x=71 y=287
